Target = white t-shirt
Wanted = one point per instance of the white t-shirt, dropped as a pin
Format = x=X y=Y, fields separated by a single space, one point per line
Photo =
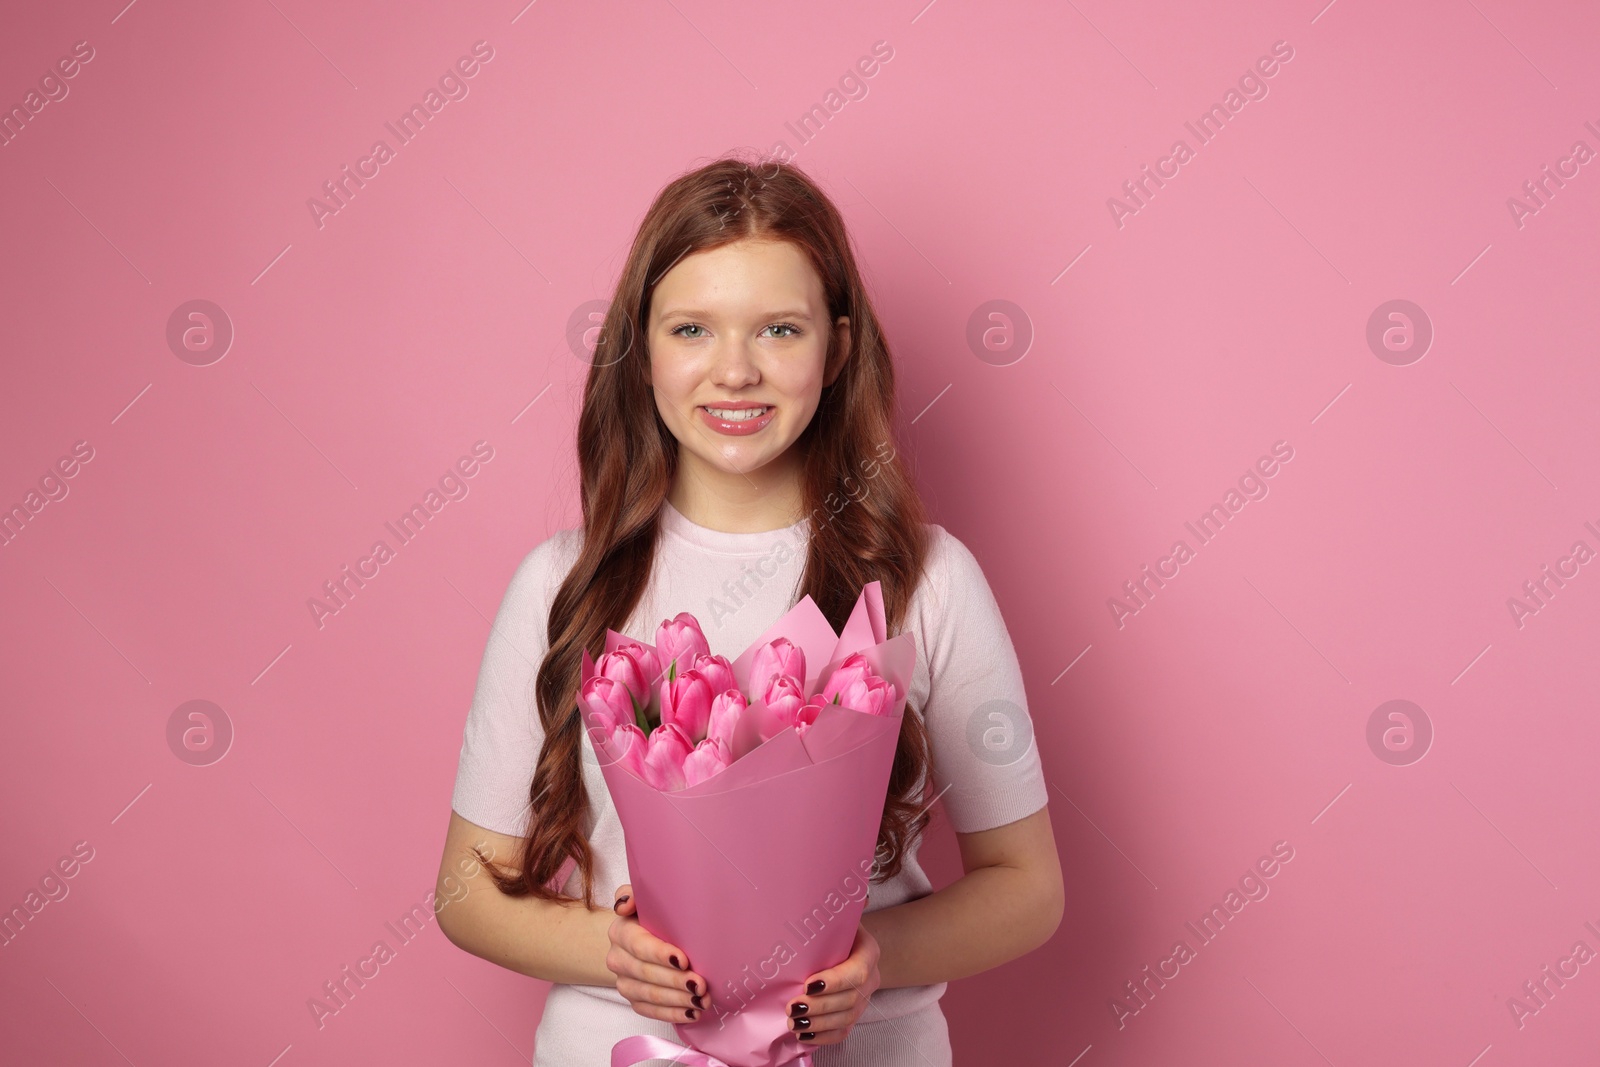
x=967 y=686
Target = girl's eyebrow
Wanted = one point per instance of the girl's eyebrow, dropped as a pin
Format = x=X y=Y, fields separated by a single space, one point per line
x=699 y=313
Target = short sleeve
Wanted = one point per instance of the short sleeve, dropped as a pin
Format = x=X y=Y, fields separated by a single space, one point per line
x=503 y=736
x=980 y=731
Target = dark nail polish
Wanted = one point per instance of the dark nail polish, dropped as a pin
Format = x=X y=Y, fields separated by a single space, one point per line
x=696 y=999
x=675 y=962
x=807 y=1036
x=689 y=1012
x=692 y=986
x=815 y=987
x=801 y=1024
x=797 y=1010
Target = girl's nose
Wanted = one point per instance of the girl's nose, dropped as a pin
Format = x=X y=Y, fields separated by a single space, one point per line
x=734 y=366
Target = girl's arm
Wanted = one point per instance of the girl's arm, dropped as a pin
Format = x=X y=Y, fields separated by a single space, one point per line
x=566 y=943
x=1009 y=902
x=539 y=938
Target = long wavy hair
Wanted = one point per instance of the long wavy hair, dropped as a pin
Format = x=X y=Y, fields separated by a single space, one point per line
x=627 y=458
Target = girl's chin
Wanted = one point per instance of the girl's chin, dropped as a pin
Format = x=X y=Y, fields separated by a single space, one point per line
x=740 y=458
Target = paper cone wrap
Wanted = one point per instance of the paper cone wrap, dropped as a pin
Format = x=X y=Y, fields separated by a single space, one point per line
x=760 y=872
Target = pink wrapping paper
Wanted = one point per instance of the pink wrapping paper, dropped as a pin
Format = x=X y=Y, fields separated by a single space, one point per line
x=760 y=872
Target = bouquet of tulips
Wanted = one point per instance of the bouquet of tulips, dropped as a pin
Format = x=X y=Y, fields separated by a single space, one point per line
x=699 y=752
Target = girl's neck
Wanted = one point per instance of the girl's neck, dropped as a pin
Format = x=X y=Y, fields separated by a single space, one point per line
x=754 y=503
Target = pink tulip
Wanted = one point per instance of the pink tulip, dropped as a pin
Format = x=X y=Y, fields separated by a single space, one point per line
x=709 y=757
x=679 y=640
x=785 y=697
x=725 y=711
x=854 y=685
x=634 y=666
x=776 y=657
x=686 y=701
x=663 y=759
x=716 y=670
x=606 y=703
x=631 y=740
x=853 y=668
x=806 y=715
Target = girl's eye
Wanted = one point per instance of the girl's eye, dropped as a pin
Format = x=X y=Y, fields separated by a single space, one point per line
x=794 y=331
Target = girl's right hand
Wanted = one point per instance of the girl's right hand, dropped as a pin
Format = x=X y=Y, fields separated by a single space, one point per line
x=653 y=975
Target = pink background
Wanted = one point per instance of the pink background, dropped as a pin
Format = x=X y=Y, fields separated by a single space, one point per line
x=1167 y=355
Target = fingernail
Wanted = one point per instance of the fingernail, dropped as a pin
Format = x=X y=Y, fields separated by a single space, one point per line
x=807 y=1036
x=620 y=901
x=801 y=1024
x=675 y=962
x=798 y=1009
x=692 y=986
x=815 y=987
x=689 y=1012
x=696 y=999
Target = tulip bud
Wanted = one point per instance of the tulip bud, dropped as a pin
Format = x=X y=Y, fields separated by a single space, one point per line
x=725 y=711
x=778 y=656
x=631 y=741
x=634 y=666
x=716 y=670
x=686 y=702
x=607 y=703
x=678 y=641
x=663 y=759
x=709 y=757
x=785 y=697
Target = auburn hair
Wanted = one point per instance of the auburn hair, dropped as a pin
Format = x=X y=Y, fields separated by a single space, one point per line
x=627 y=458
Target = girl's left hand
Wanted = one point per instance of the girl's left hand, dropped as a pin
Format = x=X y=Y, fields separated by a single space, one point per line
x=841 y=996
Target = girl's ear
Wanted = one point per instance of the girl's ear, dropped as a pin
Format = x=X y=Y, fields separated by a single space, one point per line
x=842 y=348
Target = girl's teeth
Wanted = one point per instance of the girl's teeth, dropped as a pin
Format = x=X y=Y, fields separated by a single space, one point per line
x=738 y=416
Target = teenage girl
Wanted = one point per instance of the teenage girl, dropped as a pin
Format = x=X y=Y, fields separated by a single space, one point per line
x=736 y=451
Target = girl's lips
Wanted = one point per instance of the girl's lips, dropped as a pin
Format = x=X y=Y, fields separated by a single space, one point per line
x=737 y=429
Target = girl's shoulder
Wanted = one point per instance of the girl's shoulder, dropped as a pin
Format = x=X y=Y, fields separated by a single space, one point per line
x=949 y=573
x=954 y=597
x=544 y=567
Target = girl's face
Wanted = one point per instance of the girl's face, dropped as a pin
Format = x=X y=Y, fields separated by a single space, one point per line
x=742 y=327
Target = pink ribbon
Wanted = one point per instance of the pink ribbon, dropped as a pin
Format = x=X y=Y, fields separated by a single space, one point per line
x=633 y=1050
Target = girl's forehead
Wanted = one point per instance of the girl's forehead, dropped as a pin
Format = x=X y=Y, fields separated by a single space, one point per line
x=736 y=280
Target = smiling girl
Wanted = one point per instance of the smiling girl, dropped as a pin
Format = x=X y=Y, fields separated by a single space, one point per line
x=736 y=451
